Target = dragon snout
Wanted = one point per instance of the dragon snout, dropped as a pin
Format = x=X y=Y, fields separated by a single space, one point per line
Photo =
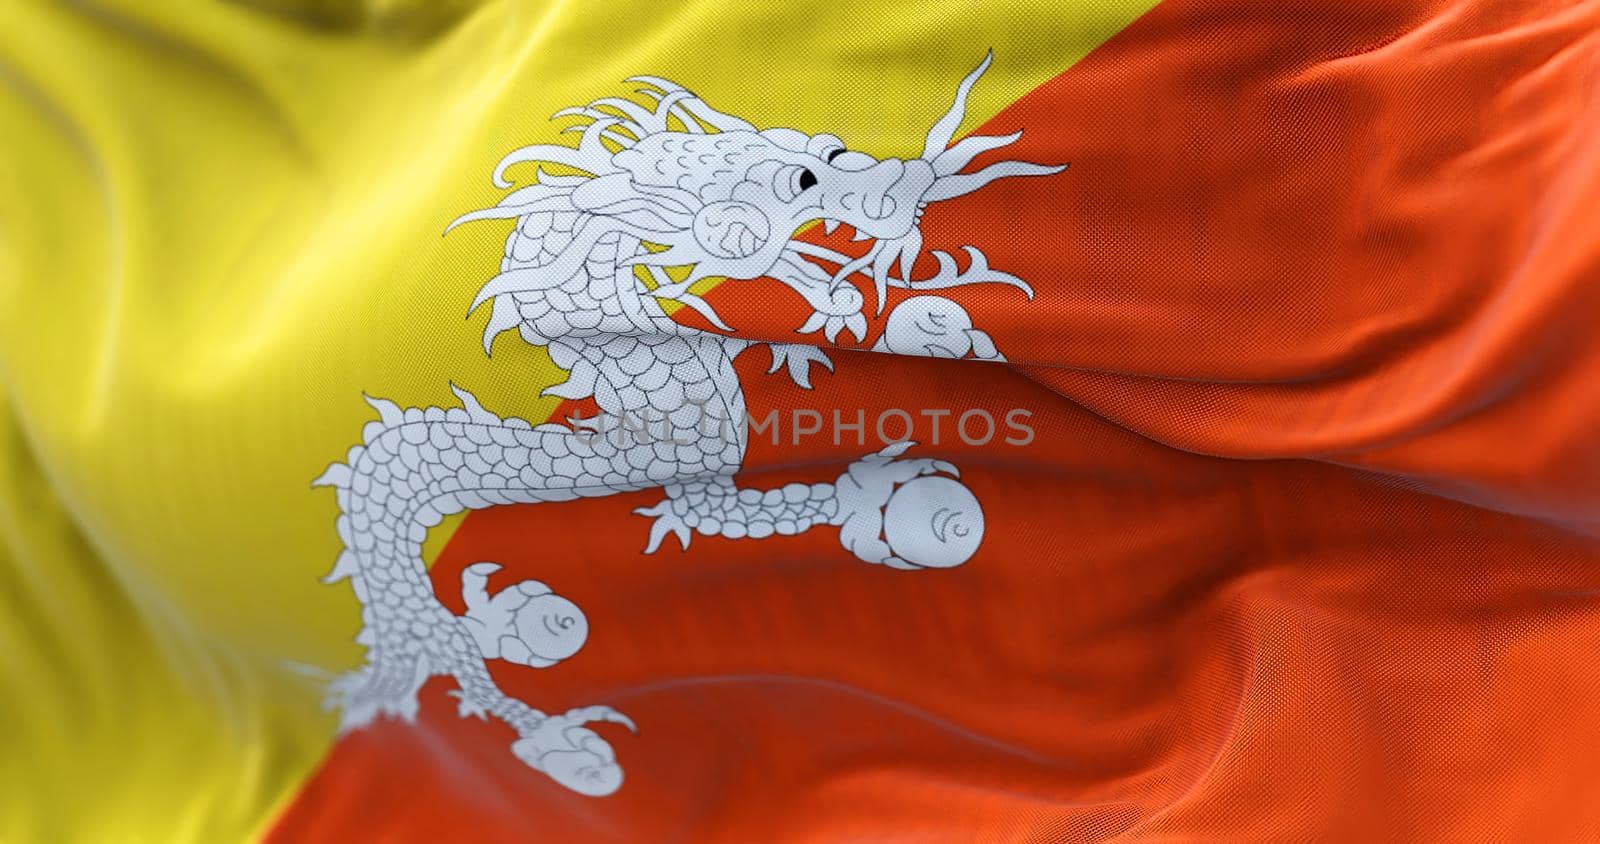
x=879 y=207
x=910 y=188
x=876 y=187
x=884 y=197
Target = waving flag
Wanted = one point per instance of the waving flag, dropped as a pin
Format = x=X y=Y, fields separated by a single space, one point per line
x=629 y=422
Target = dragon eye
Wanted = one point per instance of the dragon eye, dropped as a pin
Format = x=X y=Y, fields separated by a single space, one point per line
x=833 y=153
x=791 y=181
x=824 y=147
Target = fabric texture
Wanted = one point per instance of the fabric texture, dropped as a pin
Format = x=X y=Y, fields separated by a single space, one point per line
x=1290 y=503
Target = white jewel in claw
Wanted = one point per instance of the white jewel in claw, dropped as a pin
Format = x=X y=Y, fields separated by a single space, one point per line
x=527 y=624
x=933 y=522
x=936 y=327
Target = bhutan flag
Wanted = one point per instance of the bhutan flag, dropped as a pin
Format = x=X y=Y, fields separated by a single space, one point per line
x=1112 y=421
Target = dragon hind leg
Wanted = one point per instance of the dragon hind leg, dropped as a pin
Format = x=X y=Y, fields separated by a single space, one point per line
x=363 y=695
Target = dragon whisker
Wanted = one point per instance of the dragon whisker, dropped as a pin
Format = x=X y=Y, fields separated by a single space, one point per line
x=961 y=184
x=968 y=148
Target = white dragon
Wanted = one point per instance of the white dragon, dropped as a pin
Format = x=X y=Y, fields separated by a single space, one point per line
x=669 y=184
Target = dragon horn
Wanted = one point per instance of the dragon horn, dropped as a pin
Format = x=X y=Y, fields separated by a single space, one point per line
x=941 y=133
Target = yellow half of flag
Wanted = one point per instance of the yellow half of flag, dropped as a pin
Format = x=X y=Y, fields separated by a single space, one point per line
x=220 y=225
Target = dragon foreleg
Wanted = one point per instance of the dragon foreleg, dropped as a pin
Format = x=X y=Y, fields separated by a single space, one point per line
x=905 y=514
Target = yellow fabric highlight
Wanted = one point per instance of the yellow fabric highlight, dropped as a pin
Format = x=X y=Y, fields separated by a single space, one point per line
x=221 y=223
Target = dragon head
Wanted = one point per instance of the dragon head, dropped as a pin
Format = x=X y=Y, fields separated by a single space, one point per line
x=764 y=186
x=711 y=192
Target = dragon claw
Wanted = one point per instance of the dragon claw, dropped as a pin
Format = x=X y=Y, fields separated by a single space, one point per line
x=598 y=714
x=909 y=469
x=468 y=708
x=571 y=753
x=892 y=450
x=666 y=521
x=907 y=513
x=798 y=357
x=831 y=324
